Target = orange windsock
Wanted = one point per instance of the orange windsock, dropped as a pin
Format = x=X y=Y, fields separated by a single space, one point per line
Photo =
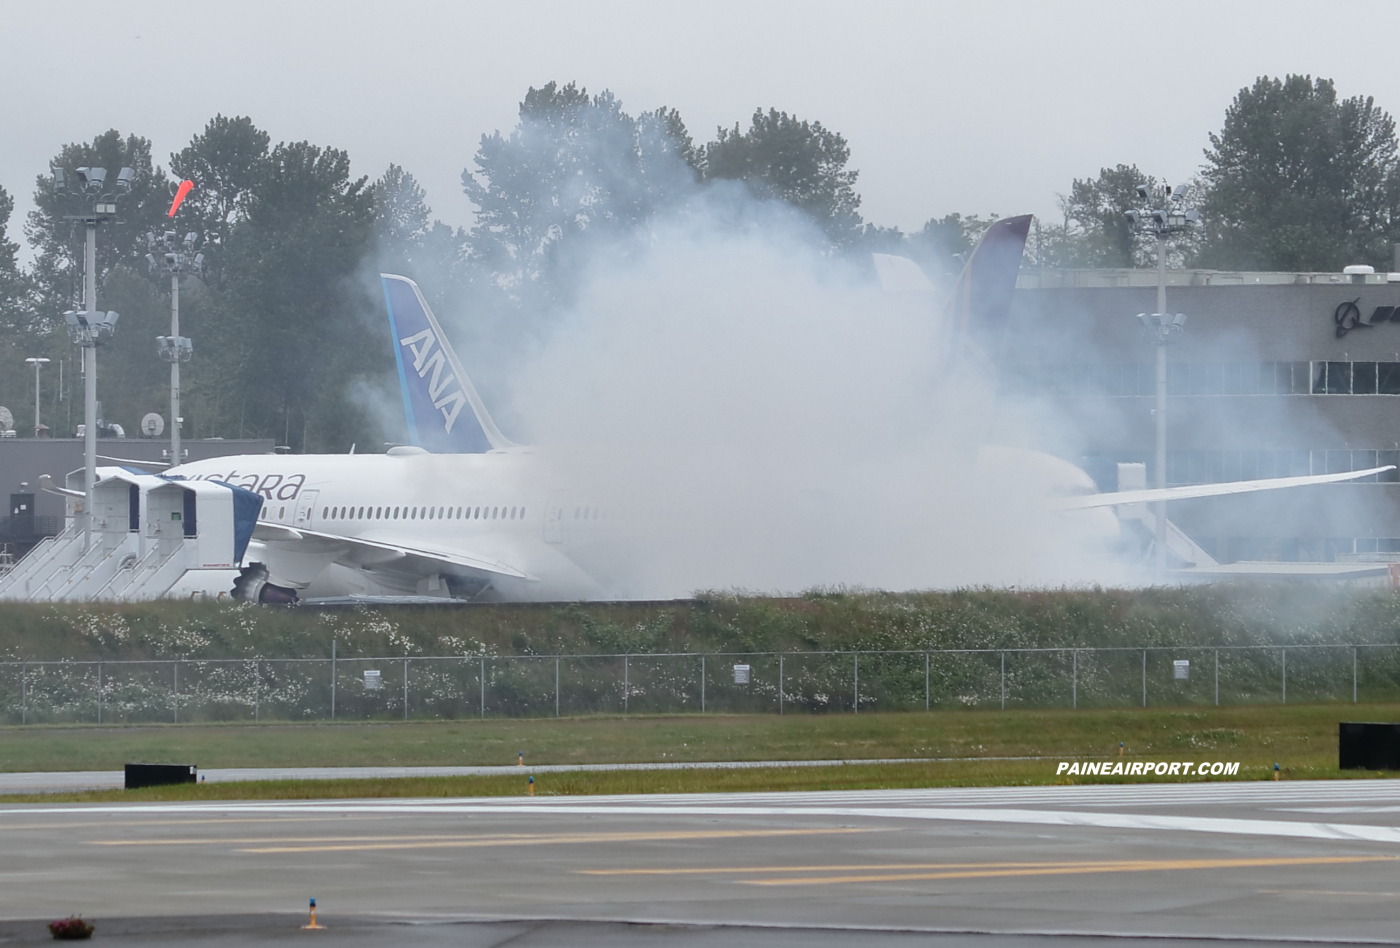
x=185 y=188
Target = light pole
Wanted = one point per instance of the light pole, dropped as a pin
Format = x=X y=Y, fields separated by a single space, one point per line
x=1161 y=328
x=36 y=363
x=87 y=327
x=174 y=348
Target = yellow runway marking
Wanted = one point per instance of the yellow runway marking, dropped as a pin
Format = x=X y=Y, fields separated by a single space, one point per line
x=877 y=867
x=369 y=843
x=1056 y=869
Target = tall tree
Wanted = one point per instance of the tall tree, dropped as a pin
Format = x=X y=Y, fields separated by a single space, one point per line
x=127 y=379
x=225 y=161
x=801 y=162
x=1300 y=180
x=408 y=241
x=290 y=328
x=942 y=244
x=576 y=171
x=13 y=295
x=1098 y=233
x=58 y=243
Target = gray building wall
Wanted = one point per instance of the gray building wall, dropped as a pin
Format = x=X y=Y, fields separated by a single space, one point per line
x=1073 y=339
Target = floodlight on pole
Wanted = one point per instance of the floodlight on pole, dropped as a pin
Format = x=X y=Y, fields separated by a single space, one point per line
x=175 y=256
x=1168 y=218
x=37 y=363
x=88 y=328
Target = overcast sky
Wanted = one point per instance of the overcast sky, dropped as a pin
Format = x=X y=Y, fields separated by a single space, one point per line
x=971 y=107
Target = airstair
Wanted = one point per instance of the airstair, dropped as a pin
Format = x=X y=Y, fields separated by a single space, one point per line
x=146 y=534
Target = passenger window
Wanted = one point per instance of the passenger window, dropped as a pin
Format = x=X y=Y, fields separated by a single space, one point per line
x=281 y=513
x=459 y=513
x=325 y=513
x=522 y=513
x=494 y=512
x=396 y=513
x=377 y=512
x=413 y=513
x=430 y=513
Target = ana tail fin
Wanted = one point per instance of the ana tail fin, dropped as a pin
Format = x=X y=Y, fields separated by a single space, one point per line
x=436 y=390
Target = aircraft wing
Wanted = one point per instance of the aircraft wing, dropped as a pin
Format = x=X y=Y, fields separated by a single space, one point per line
x=1152 y=495
x=377 y=553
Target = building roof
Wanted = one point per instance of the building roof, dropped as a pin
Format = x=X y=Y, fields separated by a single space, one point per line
x=1145 y=277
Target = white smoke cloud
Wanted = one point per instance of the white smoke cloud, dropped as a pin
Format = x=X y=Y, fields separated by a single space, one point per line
x=765 y=417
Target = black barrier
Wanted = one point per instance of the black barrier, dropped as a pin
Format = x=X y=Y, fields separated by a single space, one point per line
x=158 y=775
x=1362 y=746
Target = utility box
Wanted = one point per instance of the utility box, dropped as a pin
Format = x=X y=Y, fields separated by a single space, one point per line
x=741 y=674
x=158 y=775
x=1365 y=746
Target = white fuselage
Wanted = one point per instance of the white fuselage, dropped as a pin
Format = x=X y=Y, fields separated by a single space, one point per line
x=508 y=508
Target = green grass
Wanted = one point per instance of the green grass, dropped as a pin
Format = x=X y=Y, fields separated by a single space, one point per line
x=768 y=779
x=1301 y=737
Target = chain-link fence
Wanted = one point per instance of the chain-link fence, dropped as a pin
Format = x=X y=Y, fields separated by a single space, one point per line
x=437 y=688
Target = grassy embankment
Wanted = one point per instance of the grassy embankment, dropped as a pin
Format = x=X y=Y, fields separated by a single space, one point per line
x=1222 y=615
x=1180 y=623
x=1301 y=738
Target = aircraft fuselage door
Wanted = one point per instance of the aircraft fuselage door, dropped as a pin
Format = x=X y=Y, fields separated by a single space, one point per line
x=553 y=522
x=306 y=508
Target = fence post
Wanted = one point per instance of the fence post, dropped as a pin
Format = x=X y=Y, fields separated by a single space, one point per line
x=855 y=706
x=23 y=692
x=925 y=681
x=1353 y=674
x=626 y=685
x=176 y=692
x=780 y=682
x=483 y=686
x=332 y=679
x=1074 y=656
x=702 y=684
x=556 y=686
x=1144 y=678
x=1217 y=678
x=1284 y=654
x=405 y=689
x=1003 y=681
x=99 y=691
x=257 y=690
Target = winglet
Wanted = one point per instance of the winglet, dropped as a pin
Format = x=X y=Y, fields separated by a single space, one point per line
x=436 y=389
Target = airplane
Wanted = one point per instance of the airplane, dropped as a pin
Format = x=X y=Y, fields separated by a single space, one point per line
x=462 y=512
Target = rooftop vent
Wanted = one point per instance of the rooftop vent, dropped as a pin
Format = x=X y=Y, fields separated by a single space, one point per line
x=1358 y=272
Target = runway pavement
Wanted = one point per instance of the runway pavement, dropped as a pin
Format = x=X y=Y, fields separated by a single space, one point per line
x=1215 y=863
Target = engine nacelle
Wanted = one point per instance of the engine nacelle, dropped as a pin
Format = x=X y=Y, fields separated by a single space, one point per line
x=252 y=586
